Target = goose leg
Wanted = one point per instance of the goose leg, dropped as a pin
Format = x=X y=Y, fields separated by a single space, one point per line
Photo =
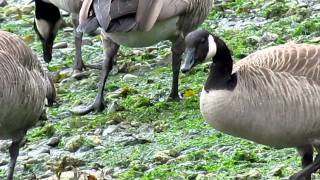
x=177 y=51
x=111 y=50
x=308 y=170
x=78 y=63
x=306 y=153
x=14 y=152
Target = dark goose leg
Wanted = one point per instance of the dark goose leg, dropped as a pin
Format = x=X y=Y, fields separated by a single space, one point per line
x=111 y=50
x=14 y=152
x=177 y=51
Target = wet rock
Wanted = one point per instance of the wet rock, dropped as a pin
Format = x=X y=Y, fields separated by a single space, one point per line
x=252 y=174
x=110 y=129
x=39 y=151
x=11 y=11
x=4 y=145
x=68 y=29
x=315 y=40
x=3 y=162
x=87 y=42
x=278 y=171
x=269 y=37
x=162 y=157
x=253 y=40
x=53 y=142
x=74 y=143
x=60 y=45
x=206 y=176
x=26 y=9
x=81 y=75
x=114 y=107
x=63 y=74
x=98 y=132
x=129 y=77
x=165 y=156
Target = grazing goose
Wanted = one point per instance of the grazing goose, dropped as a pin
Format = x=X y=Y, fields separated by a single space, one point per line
x=24 y=87
x=47 y=22
x=271 y=97
x=141 y=23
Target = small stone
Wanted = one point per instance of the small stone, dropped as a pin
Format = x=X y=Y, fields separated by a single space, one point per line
x=269 y=37
x=278 y=171
x=74 y=143
x=53 y=142
x=98 y=132
x=129 y=77
x=3 y=162
x=68 y=29
x=315 y=40
x=252 y=174
x=87 y=42
x=81 y=75
x=253 y=40
x=4 y=145
x=162 y=157
x=110 y=129
x=114 y=107
x=95 y=140
x=26 y=9
x=60 y=45
x=37 y=152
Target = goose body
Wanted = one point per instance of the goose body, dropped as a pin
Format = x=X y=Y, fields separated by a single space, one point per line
x=141 y=23
x=72 y=6
x=271 y=97
x=163 y=30
x=24 y=88
x=276 y=100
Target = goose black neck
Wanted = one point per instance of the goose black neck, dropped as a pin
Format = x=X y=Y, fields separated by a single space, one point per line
x=47 y=11
x=220 y=76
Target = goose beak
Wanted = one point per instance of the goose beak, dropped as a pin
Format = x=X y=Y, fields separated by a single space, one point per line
x=189 y=60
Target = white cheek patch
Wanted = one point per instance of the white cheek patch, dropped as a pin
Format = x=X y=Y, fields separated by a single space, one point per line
x=43 y=28
x=212 y=47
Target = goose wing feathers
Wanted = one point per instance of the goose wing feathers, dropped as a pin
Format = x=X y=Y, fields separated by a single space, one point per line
x=129 y=13
x=295 y=59
x=273 y=95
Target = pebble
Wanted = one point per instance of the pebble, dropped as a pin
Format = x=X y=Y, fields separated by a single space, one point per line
x=60 y=45
x=53 y=142
x=129 y=77
x=74 y=143
x=110 y=129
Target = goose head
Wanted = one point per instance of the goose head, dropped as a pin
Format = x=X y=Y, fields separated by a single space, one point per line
x=200 y=46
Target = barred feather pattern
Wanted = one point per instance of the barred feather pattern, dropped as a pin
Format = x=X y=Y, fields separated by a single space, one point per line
x=72 y=6
x=23 y=87
x=276 y=100
x=196 y=13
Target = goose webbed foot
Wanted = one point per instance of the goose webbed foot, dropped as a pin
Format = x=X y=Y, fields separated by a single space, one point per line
x=174 y=97
x=83 y=110
x=305 y=174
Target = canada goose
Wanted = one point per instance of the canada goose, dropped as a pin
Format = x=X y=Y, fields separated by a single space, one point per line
x=24 y=87
x=271 y=97
x=141 y=23
x=47 y=22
